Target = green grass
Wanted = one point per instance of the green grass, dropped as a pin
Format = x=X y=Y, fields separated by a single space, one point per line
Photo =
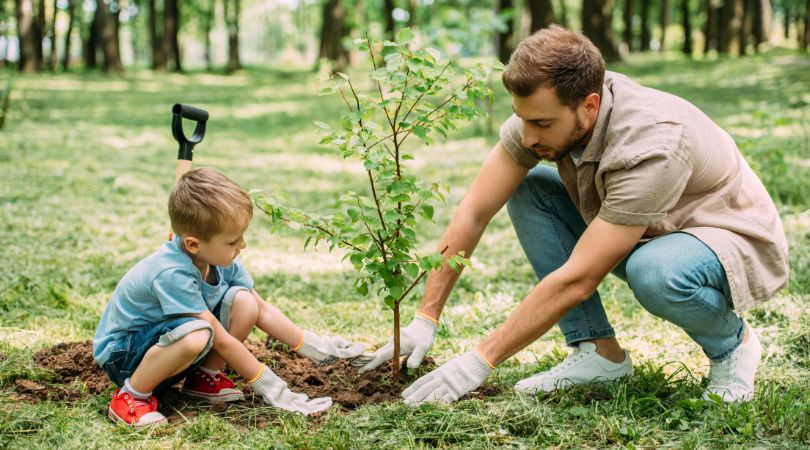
x=87 y=162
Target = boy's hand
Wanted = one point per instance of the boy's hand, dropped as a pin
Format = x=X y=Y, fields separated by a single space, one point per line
x=415 y=340
x=325 y=350
x=275 y=392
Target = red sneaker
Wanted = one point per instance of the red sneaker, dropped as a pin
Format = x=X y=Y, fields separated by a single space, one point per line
x=134 y=411
x=215 y=389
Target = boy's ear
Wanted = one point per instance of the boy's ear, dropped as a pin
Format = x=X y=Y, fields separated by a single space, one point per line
x=192 y=244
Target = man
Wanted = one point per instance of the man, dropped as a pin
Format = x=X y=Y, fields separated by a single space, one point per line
x=646 y=187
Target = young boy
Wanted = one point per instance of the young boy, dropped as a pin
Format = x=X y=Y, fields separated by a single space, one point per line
x=184 y=311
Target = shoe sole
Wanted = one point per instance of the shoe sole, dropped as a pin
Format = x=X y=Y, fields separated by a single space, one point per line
x=563 y=385
x=112 y=415
x=215 y=399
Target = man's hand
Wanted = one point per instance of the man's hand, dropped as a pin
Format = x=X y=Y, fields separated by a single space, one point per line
x=414 y=340
x=452 y=380
x=325 y=350
x=274 y=391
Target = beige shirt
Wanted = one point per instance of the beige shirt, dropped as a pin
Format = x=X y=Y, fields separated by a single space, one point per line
x=655 y=159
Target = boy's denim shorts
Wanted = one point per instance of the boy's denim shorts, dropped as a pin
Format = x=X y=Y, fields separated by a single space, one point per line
x=129 y=352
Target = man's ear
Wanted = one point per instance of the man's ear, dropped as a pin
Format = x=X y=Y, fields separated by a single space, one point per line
x=191 y=244
x=591 y=104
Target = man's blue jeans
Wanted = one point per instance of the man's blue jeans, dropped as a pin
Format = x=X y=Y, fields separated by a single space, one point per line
x=675 y=277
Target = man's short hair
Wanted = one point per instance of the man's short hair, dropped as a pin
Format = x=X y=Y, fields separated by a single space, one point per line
x=558 y=58
x=204 y=202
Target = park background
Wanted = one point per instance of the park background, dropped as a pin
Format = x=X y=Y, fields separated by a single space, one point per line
x=87 y=162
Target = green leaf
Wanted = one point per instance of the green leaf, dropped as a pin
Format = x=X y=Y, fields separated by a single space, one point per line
x=362 y=289
x=411 y=269
x=404 y=36
x=323 y=125
x=343 y=75
x=426 y=211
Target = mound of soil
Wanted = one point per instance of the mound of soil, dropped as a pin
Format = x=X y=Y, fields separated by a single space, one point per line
x=78 y=375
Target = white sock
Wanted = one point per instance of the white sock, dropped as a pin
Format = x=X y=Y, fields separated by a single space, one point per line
x=139 y=395
x=211 y=372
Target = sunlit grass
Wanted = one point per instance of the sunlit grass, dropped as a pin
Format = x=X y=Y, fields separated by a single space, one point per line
x=88 y=162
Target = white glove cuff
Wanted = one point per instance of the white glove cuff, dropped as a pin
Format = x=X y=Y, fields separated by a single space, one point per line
x=265 y=381
x=476 y=364
x=423 y=325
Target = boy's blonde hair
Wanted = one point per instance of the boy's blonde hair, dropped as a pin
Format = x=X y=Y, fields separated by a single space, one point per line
x=204 y=201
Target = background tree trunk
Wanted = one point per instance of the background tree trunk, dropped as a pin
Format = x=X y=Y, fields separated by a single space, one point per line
x=108 y=37
x=90 y=45
x=232 y=21
x=333 y=30
x=171 y=27
x=71 y=23
x=25 y=23
x=596 y=24
x=686 y=22
x=645 y=25
x=760 y=22
x=806 y=35
x=730 y=23
x=664 y=23
x=39 y=34
x=156 y=37
x=388 y=11
x=52 y=36
x=207 y=26
x=627 y=17
x=541 y=13
x=504 y=41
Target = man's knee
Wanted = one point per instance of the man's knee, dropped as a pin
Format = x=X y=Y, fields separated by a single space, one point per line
x=540 y=181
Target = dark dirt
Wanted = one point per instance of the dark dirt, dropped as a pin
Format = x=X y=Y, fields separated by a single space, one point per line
x=79 y=376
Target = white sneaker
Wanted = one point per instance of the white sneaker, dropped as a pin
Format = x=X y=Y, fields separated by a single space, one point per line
x=733 y=378
x=581 y=367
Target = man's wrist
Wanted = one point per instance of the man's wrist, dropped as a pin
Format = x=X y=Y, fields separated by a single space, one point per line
x=428 y=317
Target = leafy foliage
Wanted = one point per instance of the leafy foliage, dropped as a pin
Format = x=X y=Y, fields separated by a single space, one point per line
x=415 y=96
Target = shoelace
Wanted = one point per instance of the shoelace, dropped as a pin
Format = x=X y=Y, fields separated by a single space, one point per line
x=720 y=371
x=572 y=358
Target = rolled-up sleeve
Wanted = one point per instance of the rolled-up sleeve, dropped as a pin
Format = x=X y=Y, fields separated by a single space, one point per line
x=511 y=137
x=644 y=192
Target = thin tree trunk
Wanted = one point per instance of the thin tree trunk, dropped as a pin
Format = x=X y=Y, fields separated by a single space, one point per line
x=645 y=25
x=686 y=21
x=730 y=25
x=39 y=34
x=541 y=13
x=627 y=17
x=806 y=38
x=395 y=360
x=91 y=44
x=171 y=26
x=504 y=43
x=596 y=24
x=232 y=22
x=52 y=35
x=388 y=10
x=333 y=30
x=68 y=33
x=108 y=38
x=664 y=23
x=3 y=36
x=25 y=22
x=745 y=26
x=156 y=38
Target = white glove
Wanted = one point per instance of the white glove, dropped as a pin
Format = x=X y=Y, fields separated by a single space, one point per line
x=275 y=392
x=414 y=340
x=450 y=381
x=325 y=350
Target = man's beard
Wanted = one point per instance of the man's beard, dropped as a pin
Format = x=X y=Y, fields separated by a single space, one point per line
x=576 y=139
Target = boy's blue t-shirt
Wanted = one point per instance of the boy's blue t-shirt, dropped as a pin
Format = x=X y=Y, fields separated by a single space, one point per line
x=166 y=283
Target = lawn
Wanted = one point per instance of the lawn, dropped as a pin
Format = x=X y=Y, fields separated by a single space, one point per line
x=87 y=162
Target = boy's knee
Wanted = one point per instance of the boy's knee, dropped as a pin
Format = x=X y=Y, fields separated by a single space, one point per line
x=245 y=306
x=196 y=341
